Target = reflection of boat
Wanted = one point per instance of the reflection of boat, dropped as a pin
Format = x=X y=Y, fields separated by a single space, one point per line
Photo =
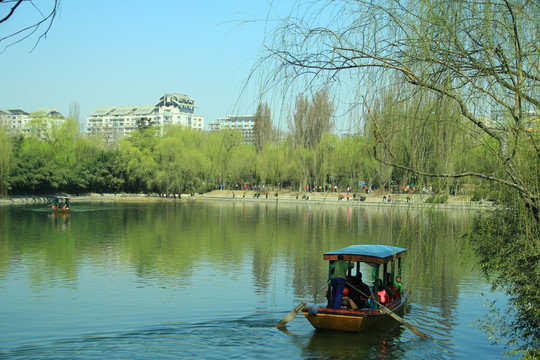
x=362 y=312
x=62 y=220
x=351 y=345
x=62 y=204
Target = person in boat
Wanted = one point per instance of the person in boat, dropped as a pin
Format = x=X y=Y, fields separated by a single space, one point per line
x=361 y=291
x=399 y=285
x=390 y=287
x=382 y=293
x=348 y=300
x=339 y=274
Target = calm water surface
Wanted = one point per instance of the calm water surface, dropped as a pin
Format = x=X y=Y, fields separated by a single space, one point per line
x=210 y=279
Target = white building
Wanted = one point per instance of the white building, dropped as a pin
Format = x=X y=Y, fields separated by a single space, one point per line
x=172 y=109
x=244 y=123
x=36 y=123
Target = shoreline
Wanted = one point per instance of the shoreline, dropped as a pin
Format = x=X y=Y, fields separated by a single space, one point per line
x=453 y=202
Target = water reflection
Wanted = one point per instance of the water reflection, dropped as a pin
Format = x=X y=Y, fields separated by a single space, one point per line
x=382 y=343
x=62 y=221
x=223 y=272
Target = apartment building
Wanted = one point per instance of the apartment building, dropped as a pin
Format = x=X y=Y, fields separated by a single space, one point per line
x=36 y=123
x=243 y=123
x=114 y=122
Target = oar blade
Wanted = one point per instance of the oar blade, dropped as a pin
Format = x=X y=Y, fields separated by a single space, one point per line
x=401 y=320
x=291 y=315
x=416 y=331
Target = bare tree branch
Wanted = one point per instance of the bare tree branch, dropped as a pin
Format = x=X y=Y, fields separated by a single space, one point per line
x=11 y=11
x=28 y=31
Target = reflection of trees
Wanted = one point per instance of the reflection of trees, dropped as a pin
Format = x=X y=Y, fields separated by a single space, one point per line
x=169 y=242
x=23 y=243
x=437 y=259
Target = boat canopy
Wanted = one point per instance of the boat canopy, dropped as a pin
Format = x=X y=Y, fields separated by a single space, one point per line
x=378 y=254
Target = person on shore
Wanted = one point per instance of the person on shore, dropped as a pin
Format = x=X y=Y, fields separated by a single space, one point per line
x=339 y=273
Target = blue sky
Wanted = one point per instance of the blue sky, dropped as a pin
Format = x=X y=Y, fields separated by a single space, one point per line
x=112 y=53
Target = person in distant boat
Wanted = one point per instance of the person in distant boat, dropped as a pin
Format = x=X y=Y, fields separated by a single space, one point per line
x=339 y=273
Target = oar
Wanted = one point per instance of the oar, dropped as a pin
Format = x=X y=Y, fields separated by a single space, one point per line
x=394 y=315
x=401 y=320
x=297 y=309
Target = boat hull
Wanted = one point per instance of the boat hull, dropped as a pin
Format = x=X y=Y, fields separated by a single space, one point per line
x=60 y=210
x=352 y=320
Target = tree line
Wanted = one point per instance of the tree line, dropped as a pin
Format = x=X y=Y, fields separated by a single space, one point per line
x=184 y=161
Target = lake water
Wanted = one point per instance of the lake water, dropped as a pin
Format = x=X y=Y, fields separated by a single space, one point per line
x=209 y=280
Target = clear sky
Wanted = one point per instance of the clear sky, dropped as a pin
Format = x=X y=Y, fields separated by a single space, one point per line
x=120 y=52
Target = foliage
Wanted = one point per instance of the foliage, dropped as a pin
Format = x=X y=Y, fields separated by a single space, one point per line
x=178 y=161
x=441 y=199
x=440 y=75
x=509 y=247
x=6 y=155
x=449 y=90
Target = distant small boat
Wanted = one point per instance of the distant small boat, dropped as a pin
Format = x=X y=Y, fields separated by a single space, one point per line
x=362 y=313
x=62 y=204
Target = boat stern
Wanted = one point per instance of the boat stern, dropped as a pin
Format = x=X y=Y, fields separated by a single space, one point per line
x=341 y=319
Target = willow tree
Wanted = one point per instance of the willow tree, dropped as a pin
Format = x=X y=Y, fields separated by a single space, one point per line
x=6 y=156
x=221 y=147
x=262 y=128
x=481 y=57
x=311 y=119
x=137 y=152
x=424 y=131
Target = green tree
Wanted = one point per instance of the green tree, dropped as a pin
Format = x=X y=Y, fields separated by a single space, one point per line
x=6 y=156
x=482 y=57
x=180 y=161
x=478 y=60
x=137 y=151
x=222 y=146
x=34 y=170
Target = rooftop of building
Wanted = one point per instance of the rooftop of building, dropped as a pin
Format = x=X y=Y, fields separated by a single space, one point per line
x=179 y=101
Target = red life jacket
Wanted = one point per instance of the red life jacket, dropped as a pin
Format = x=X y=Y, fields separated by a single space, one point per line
x=382 y=296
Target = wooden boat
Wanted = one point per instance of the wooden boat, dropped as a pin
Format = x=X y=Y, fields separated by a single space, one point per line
x=62 y=204
x=368 y=313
